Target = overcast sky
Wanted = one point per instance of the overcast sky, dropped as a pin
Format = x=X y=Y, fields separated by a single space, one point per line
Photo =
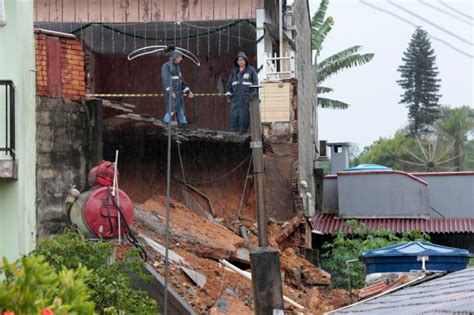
x=371 y=89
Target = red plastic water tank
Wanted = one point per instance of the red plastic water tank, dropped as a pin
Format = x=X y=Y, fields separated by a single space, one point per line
x=102 y=174
x=95 y=214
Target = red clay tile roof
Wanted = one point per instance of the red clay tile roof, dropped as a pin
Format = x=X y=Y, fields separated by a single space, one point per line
x=329 y=223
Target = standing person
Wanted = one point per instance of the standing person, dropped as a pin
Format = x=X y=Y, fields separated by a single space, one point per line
x=172 y=73
x=241 y=78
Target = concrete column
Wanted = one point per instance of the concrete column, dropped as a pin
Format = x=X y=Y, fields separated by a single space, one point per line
x=266 y=280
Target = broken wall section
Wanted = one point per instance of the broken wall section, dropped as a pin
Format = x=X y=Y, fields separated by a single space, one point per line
x=62 y=144
x=280 y=158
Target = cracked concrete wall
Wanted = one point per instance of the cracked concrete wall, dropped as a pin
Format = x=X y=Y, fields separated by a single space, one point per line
x=279 y=171
x=62 y=151
x=307 y=114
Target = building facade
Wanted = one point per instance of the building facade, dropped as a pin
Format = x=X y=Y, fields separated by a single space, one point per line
x=18 y=157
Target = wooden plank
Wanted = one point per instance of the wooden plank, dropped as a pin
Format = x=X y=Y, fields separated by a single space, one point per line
x=182 y=7
x=276 y=102
x=69 y=11
x=145 y=10
x=232 y=9
x=197 y=277
x=94 y=11
x=133 y=11
x=208 y=9
x=195 y=11
x=42 y=7
x=53 y=66
x=220 y=8
x=158 y=9
x=107 y=11
x=82 y=14
x=245 y=9
x=170 y=10
x=120 y=11
x=55 y=10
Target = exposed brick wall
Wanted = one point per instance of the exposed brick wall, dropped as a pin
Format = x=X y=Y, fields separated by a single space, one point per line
x=60 y=66
x=41 y=73
x=73 y=75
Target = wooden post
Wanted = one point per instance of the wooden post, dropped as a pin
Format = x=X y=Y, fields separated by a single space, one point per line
x=265 y=262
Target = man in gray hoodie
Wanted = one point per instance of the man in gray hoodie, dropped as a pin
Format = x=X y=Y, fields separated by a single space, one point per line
x=171 y=73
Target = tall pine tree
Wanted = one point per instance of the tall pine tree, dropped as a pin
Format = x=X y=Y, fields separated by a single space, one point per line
x=419 y=80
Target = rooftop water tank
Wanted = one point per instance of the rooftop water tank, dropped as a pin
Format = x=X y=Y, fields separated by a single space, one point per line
x=368 y=167
x=410 y=256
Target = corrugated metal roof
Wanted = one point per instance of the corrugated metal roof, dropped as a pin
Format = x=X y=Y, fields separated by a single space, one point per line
x=329 y=223
x=450 y=294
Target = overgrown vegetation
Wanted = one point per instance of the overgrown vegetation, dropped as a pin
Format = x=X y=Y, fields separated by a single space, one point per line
x=32 y=286
x=447 y=147
x=109 y=282
x=347 y=247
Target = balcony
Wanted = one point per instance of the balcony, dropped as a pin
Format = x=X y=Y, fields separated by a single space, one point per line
x=8 y=164
x=280 y=68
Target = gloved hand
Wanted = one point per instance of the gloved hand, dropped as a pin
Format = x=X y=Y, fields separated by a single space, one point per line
x=227 y=96
x=190 y=94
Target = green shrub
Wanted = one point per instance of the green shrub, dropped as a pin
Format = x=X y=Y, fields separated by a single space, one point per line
x=73 y=250
x=31 y=286
x=110 y=282
x=346 y=247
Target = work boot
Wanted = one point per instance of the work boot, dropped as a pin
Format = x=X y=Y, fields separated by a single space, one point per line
x=184 y=126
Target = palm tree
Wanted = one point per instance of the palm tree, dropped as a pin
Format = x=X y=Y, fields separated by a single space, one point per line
x=455 y=124
x=345 y=59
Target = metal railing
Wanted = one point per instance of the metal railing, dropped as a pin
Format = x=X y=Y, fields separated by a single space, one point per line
x=278 y=68
x=7 y=118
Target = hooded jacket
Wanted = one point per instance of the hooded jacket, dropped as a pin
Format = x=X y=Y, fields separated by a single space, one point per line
x=240 y=82
x=178 y=85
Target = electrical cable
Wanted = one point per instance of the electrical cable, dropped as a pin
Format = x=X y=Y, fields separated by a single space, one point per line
x=178 y=143
x=130 y=235
x=414 y=25
x=431 y=23
x=178 y=180
x=236 y=223
x=222 y=176
x=108 y=209
x=444 y=11
x=455 y=10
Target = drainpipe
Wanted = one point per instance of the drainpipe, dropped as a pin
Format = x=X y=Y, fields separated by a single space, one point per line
x=3 y=19
x=280 y=9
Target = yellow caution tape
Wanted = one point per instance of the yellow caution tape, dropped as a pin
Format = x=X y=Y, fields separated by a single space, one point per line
x=147 y=95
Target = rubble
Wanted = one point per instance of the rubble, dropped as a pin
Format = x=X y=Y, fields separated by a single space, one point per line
x=197 y=244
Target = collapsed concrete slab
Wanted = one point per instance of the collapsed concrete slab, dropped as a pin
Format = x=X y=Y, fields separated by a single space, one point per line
x=155 y=127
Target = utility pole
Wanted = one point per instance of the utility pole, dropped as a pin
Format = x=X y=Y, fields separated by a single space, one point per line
x=264 y=260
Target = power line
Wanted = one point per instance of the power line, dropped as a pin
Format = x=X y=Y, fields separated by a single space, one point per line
x=455 y=10
x=415 y=25
x=445 y=12
x=431 y=23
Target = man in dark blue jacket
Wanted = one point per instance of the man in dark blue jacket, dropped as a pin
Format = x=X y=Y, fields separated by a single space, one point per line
x=241 y=78
x=171 y=73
